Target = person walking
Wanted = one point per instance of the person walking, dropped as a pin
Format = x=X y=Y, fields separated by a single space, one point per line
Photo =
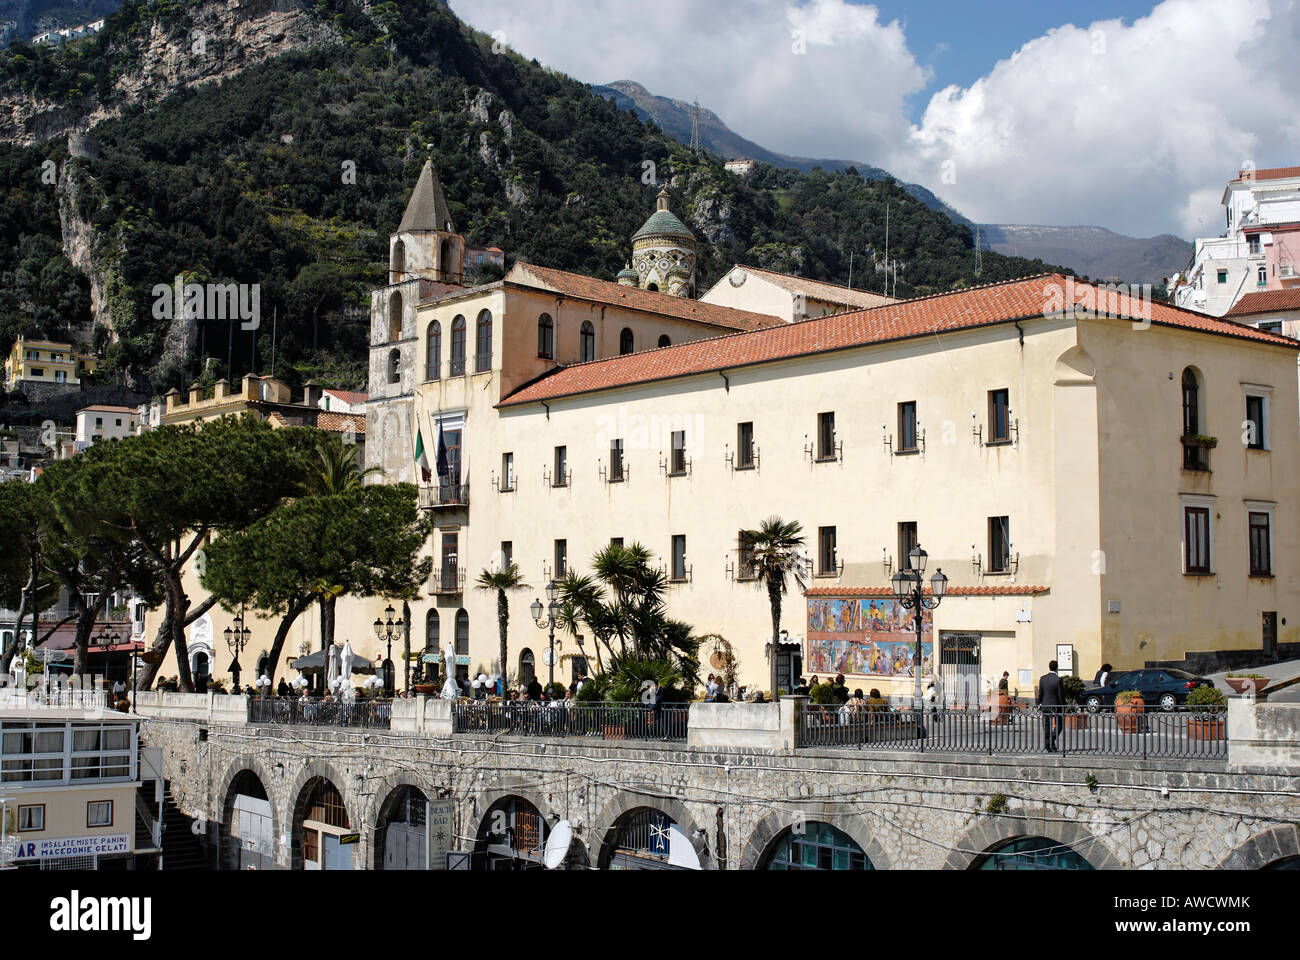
x=1102 y=675
x=534 y=690
x=1051 y=701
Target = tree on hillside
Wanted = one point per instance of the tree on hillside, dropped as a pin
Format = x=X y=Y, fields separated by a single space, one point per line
x=173 y=488
x=365 y=542
x=774 y=553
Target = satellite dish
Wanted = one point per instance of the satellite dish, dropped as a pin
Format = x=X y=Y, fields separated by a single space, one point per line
x=557 y=844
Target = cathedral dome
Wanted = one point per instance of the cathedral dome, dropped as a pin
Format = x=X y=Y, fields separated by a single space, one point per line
x=628 y=277
x=663 y=222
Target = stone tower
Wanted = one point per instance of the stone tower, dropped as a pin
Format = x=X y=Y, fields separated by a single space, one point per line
x=426 y=247
x=663 y=253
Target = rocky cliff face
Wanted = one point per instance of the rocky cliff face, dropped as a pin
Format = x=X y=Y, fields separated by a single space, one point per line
x=223 y=39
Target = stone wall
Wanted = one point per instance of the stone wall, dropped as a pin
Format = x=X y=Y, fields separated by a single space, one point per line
x=906 y=811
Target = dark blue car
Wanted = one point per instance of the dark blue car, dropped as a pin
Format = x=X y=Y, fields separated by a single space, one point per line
x=1163 y=687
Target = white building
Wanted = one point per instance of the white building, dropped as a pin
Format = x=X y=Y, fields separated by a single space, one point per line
x=788 y=297
x=102 y=421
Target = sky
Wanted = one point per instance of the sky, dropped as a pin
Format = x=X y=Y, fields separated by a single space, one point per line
x=1119 y=114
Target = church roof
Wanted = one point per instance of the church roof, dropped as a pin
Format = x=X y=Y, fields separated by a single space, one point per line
x=427 y=208
x=663 y=223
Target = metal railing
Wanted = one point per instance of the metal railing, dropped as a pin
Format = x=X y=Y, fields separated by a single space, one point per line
x=293 y=711
x=1179 y=733
x=444 y=495
x=14 y=698
x=610 y=721
x=447 y=580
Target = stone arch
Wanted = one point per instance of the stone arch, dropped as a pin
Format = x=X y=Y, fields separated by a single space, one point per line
x=383 y=802
x=602 y=837
x=395 y=317
x=770 y=829
x=225 y=797
x=1264 y=848
x=298 y=795
x=1075 y=365
x=994 y=830
x=397 y=261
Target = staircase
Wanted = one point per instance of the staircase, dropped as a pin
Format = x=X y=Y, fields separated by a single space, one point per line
x=182 y=848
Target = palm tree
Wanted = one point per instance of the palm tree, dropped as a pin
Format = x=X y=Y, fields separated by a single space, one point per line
x=336 y=469
x=774 y=552
x=502 y=581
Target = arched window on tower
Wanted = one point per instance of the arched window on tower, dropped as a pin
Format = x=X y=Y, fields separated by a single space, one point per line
x=457 y=346
x=653 y=287
x=395 y=318
x=446 y=262
x=625 y=341
x=394 y=366
x=483 y=342
x=665 y=340
x=397 y=263
x=545 y=337
x=433 y=352
x=587 y=342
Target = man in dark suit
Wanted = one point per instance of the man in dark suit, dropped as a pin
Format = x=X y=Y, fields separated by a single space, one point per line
x=1051 y=701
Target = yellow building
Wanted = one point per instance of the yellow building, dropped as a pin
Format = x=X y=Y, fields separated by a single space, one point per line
x=45 y=362
x=1101 y=479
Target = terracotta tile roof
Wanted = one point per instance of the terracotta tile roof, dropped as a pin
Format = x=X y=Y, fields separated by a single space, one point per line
x=339 y=422
x=108 y=408
x=1266 y=301
x=1014 y=590
x=1003 y=302
x=349 y=396
x=1273 y=173
x=603 y=291
x=821 y=290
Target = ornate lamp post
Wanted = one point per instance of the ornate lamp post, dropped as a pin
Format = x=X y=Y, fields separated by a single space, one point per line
x=237 y=639
x=108 y=639
x=908 y=591
x=387 y=631
x=552 y=610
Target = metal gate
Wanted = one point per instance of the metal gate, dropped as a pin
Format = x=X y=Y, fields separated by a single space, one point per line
x=959 y=670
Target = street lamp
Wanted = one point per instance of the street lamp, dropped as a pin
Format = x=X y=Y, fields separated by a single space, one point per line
x=237 y=639
x=552 y=611
x=385 y=630
x=909 y=592
x=108 y=639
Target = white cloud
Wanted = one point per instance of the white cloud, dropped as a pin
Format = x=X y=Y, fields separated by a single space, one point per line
x=1132 y=127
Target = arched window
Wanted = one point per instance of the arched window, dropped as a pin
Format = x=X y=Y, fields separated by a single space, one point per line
x=433 y=352
x=394 y=366
x=819 y=846
x=512 y=829
x=648 y=838
x=1032 y=853
x=457 y=346
x=545 y=337
x=483 y=343
x=432 y=628
x=664 y=340
x=653 y=287
x=462 y=633
x=625 y=341
x=446 y=264
x=395 y=318
x=397 y=262
x=587 y=342
x=527 y=667
x=1191 y=403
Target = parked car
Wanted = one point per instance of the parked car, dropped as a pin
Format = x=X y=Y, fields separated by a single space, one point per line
x=1163 y=687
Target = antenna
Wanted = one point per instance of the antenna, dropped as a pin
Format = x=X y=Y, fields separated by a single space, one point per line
x=979 y=253
x=850 y=269
x=886 y=247
x=695 y=127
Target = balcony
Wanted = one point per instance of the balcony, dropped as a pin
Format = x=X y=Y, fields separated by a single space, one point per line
x=1196 y=451
x=447 y=581
x=444 y=496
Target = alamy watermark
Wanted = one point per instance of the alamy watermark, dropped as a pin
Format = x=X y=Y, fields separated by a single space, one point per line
x=209 y=301
x=1120 y=301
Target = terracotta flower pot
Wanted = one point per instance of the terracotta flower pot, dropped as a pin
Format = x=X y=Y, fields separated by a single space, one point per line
x=425 y=689
x=1244 y=685
x=1129 y=714
x=1076 y=721
x=1205 y=728
x=614 y=731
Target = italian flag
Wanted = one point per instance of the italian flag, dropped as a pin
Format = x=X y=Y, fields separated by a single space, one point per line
x=422 y=458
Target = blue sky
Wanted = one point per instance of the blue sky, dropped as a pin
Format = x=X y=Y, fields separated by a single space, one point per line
x=1125 y=115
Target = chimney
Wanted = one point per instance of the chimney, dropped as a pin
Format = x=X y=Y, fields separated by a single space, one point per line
x=196 y=393
x=311 y=394
x=221 y=389
x=172 y=397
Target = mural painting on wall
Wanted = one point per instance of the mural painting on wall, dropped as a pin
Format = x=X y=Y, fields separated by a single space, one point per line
x=871 y=636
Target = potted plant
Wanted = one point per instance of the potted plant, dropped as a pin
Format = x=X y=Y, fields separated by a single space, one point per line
x=1246 y=683
x=1199 y=440
x=1207 y=707
x=1075 y=717
x=1129 y=710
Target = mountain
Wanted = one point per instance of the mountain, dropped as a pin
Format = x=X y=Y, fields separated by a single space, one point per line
x=1093 y=251
x=282 y=151
x=1089 y=251
x=676 y=118
x=26 y=18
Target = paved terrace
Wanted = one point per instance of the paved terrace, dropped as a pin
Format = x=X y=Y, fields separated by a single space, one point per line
x=740 y=780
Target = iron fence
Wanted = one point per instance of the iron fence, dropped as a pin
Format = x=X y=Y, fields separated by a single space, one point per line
x=609 y=721
x=444 y=494
x=1175 y=734
x=315 y=712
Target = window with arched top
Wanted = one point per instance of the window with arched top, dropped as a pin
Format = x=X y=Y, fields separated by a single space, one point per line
x=432 y=630
x=395 y=318
x=462 y=633
x=1196 y=452
x=447 y=262
x=527 y=666
x=665 y=340
x=653 y=287
x=483 y=342
x=457 y=346
x=433 y=352
x=397 y=262
x=545 y=337
x=816 y=846
x=587 y=342
x=625 y=341
x=394 y=366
